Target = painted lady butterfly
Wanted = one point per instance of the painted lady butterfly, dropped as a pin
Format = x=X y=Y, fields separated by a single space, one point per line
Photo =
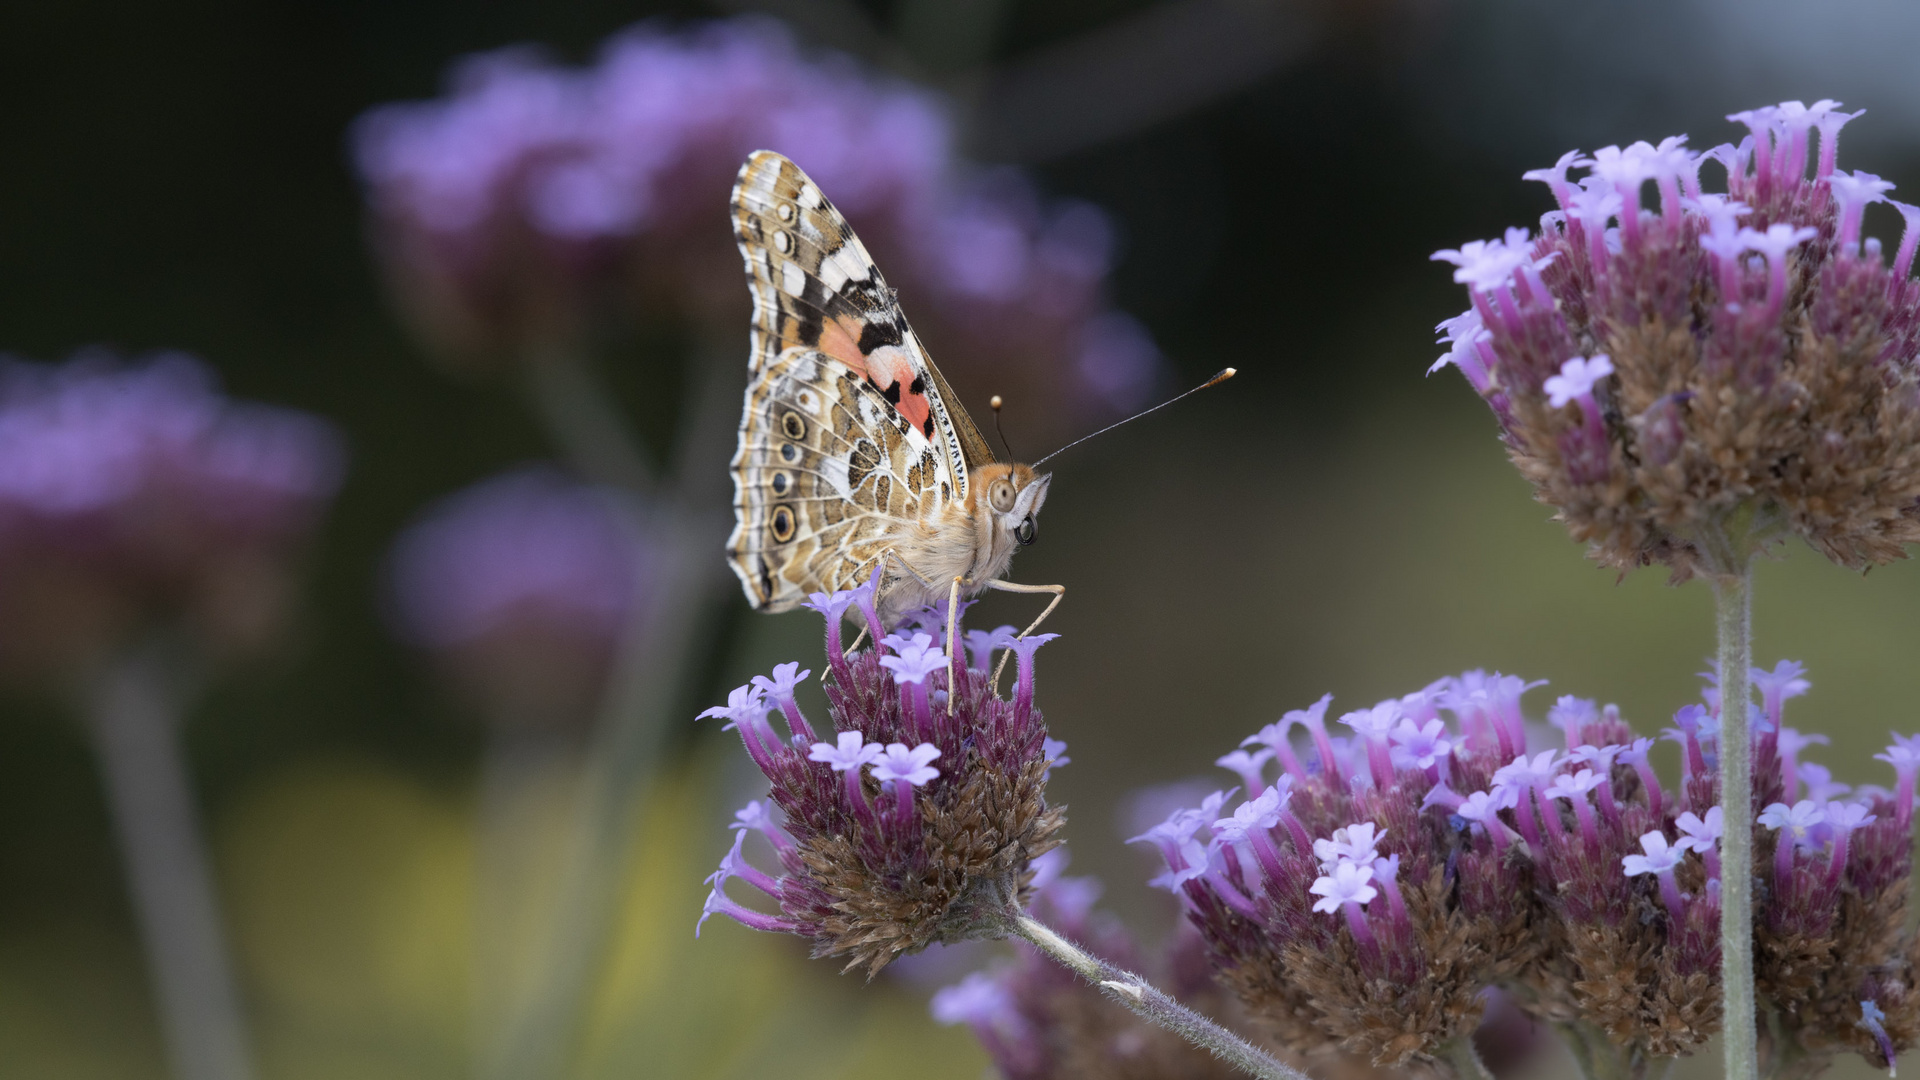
x=853 y=452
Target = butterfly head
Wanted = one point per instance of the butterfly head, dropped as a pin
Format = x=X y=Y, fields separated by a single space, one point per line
x=1012 y=496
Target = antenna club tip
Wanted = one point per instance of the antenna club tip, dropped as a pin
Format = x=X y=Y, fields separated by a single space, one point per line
x=1225 y=374
x=995 y=402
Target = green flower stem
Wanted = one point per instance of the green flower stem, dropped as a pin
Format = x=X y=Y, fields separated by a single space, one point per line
x=133 y=713
x=683 y=527
x=1156 y=1005
x=1733 y=609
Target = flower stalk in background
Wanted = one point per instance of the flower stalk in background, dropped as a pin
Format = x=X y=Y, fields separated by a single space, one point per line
x=523 y=589
x=1688 y=377
x=149 y=525
x=1365 y=908
x=905 y=823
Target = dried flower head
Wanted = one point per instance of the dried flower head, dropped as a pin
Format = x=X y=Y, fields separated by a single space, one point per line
x=522 y=585
x=909 y=822
x=1687 y=380
x=1362 y=898
x=132 y=492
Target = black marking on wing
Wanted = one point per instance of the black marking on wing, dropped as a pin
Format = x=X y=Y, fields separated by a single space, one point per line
x=878 y=332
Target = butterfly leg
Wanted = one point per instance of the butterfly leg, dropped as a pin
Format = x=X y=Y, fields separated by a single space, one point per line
x=953 y=627
x=1059 y=593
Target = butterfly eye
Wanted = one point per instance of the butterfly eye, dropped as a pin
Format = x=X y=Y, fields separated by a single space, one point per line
x=1001 y=496
x=1024 y=531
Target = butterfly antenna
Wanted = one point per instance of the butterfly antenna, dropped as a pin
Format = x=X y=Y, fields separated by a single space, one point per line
x=994 y=403
x=1223 y=376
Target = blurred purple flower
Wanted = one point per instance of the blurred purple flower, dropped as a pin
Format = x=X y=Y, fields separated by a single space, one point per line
x=525 y=582
x=511 y=211
x=130 y=486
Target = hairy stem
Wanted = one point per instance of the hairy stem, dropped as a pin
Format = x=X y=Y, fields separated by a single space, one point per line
x=1466 y=1059
x=1733 y=609
x=133 y=715
x=1156 y=1005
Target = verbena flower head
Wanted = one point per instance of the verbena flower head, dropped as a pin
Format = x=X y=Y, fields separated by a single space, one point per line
x=1038 y=1021
x=137 y=491
x=534 y=200
x=902 y=824
x=523 y=586
x=1365 y=913
x=1685 y=375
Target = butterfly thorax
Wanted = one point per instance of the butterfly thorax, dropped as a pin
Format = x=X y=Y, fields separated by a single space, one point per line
x=972 y=539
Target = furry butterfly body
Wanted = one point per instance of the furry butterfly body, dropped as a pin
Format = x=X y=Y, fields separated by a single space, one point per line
x=853 y=452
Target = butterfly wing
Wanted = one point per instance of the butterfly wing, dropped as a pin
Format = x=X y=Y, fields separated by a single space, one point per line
x=847 y=437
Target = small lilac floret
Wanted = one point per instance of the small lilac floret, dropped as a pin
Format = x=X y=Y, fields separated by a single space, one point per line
x=978 y=1000
x=897 y=762
x=1830 y=121
x=1853 y=191
x=1355 y=843
x=1467 y=335
x=1344 y=883
x=1483 y=809
x=981 y=643
x=1702 y=834
x=1788 y=744
x=914 y=658
x=1261 y=812
x=785 y=678
x=757 y=817
x=1314 y=719
x=1909 y=241
x=1556 y=177
x=1659 y=860
x=1818 y=782
x=1249 y=767
x=1795 y=820
x=1274 y=737
x=746 y=711
x=1570 y=714
x=1786 y=681
x=1422 y=746
x=1779 y=239
x=1576 y=379
x=1055 y=752
x=1847 y=816
x=1574 y=786
x=1375 y=726
x=852 y=752
x=1874 y=1022
x=1487 y=265
x=1796 y=825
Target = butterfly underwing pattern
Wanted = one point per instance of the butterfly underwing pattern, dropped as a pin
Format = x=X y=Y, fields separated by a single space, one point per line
x=853 y=451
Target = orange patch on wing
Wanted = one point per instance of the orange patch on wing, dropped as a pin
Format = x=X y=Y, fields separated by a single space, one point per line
x=840 y=339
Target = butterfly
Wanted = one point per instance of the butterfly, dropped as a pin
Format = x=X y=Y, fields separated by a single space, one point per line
x=854 y=453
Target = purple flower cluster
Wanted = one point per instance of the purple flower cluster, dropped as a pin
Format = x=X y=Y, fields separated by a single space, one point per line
x=1686 y=376
x=1360 y=893
x=1037 y=1021
x=914 y=819
x=523 y=585
x=534 y=198
x=131 y=491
